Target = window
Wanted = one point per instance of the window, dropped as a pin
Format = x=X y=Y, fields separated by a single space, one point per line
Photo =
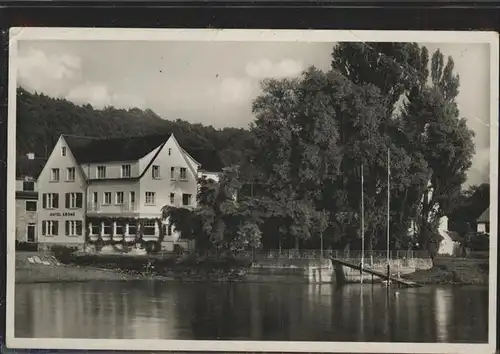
x=31 y=205
x=167 y=229
x=50 y=227
x=119 y=198
x=28 y=186
x=132 y=229
x=101 y=171
x=156 y=171
x=73 y=227
x=63 y=151
x=70 y=174
x=172 y=198
x=95 y=229
x=126 y=171
x=149 y=227
x=95 y=201
x=107 y=228
x=172 y=172
x=183 y=173
x=169 y=152
x=150 y=198
x=107 y=198
x=54 y=176
x=74 y=200
x=186 y=199
x=119 y=228
x=50 y=201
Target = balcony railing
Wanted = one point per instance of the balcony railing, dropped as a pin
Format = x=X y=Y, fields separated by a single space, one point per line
x=112 y=208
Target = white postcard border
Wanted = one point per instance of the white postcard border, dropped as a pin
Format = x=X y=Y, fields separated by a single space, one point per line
x=94 y=34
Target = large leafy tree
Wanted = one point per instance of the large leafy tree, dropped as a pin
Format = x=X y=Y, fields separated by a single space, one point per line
x=424 y=126
x=313 y=134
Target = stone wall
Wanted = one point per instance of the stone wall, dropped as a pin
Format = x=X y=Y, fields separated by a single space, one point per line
x=292 y=270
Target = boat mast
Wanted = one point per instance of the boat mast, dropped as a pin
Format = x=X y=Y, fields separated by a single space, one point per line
x=388 y=210
x=362 y=223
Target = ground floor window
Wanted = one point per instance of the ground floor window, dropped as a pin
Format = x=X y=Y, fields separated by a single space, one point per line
x=149 y=227
x=167 y=229
x=50 y=227
x=107 y=227
x=73 y=227
x=119 y=228
x=132 y=229
x=95 y=228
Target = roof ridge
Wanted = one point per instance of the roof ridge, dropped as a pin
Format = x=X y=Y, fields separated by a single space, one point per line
x=80 y=136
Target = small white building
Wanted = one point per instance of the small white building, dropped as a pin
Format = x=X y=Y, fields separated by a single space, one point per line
x=116 y=189
x=450 y=243
x=483 y=222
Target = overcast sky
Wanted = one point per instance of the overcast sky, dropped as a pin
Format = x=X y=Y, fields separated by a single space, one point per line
x=214 y=82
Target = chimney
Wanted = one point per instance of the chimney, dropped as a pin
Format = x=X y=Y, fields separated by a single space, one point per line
x=30 y=155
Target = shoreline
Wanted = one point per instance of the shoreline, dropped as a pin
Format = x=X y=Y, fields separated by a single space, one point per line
x=446 y=271
x=453 y=271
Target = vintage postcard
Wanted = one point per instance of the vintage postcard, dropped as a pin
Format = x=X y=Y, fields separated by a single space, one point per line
x=252 y=190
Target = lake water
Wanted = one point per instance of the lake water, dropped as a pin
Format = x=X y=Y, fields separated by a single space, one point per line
x=242 y=311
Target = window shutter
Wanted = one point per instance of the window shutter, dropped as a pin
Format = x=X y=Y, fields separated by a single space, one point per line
x=79 y=200
x=44 y=228
x=56 y=227
x=79 y=227
x=67 y=202
x=67 y=227
x=56 y=200
x=44 y=201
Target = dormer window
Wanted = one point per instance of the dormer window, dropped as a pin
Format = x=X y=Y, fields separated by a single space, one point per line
x=156 y=171
x=63 y=151
x=101 y=171
x=126 y=171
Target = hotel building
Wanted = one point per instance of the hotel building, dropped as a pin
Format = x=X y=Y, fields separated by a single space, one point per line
x=115 y=188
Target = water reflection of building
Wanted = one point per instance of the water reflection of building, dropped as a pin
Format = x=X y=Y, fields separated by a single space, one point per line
x=87 y=310
x=442 y=311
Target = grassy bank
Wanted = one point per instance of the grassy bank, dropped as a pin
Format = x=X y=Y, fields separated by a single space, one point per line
x=454 y=271
x=76 y=268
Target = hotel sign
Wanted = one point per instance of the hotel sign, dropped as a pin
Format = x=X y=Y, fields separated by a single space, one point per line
x=67 y=213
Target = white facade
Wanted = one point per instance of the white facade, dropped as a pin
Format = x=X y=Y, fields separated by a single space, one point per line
x=53 y=211
x=447 y=246
x=131 y=190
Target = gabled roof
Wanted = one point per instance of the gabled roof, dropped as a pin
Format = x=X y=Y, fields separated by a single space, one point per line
x=484 y=217
x=92 y=150
x=29 y=168
x=455 y=236
x=95 y=150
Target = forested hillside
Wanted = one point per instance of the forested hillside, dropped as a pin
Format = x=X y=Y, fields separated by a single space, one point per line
x=42 y=119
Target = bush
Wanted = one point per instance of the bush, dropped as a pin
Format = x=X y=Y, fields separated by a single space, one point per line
x=26 y=246
x=179 y=250
x=478 y=241
x=63 y=252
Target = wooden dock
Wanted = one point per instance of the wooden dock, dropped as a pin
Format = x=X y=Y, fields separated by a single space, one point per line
x=398 y=280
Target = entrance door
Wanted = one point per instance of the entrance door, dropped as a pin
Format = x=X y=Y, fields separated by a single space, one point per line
x=30 y=232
